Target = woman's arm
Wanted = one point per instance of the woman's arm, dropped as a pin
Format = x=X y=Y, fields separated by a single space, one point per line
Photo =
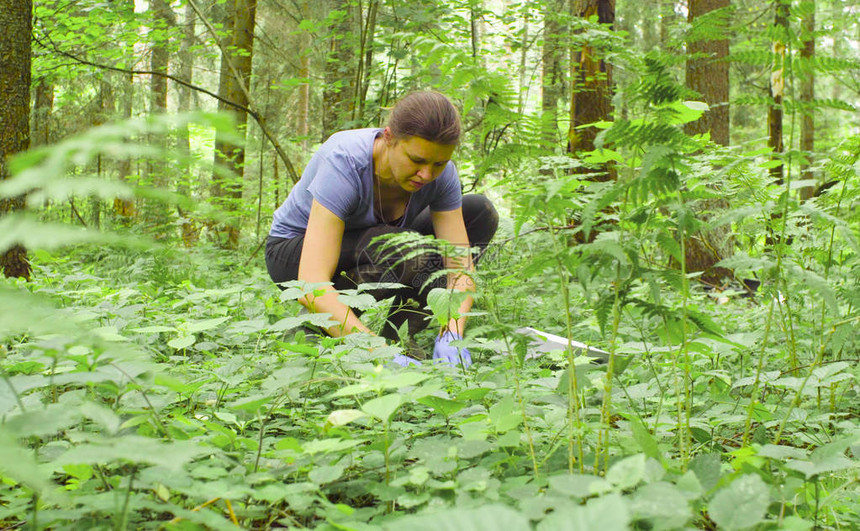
x=320 y=254
x=449 y=226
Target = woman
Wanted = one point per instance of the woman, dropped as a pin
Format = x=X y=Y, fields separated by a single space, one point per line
x=364 y=183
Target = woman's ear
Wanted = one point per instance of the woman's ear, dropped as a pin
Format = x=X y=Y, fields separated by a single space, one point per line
x=388 y=137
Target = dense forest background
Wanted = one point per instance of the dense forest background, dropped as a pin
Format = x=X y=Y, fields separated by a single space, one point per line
x=678 y=187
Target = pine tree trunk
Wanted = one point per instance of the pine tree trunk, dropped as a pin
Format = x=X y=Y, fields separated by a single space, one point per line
x=707 y=73
x=807 y=96
x=16 y=21
x=236 y=66
x=591 y=82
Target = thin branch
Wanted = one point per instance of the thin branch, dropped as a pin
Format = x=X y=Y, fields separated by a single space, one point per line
x=254 y=114
x=236 y=77
x=238 y=80
x=76 y=213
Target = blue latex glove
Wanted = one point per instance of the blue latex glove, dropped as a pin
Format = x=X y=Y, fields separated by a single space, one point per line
x=405 y=361
x=442 y=350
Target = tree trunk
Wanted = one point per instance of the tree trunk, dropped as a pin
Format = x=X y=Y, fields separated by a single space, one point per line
x=807 y=96
x=124 y=209
x=476 y=9
x=552 y=85
x=303 y=127
x=234 y=85
x=365 y=61
x=339 y=70
x=777 y=88
x=708 y=74
x=42 y=111
x=159 y=56
x=16 y=19
x=667 y=19
x=156 y=213
x=591 y=82
x=188 y=226
x=522 y=88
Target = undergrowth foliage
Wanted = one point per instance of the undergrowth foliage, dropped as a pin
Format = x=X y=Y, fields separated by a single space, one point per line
x=147 y=387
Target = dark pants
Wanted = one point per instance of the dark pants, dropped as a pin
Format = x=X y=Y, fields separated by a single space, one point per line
x=360 y=262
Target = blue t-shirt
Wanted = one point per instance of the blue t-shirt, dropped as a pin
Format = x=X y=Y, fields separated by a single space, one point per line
x=340 y=177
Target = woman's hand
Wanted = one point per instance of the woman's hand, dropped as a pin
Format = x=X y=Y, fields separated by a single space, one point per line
x=442 y=350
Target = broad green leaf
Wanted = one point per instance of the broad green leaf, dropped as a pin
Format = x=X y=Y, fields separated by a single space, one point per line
x=487 y=518
x=342 y=417
x=647 y=443
x=20 y=465
x=443 y=406
x=152 y=329
x=383 y=407
x=607 y=513
x=359 y=301
x=182 y=342
x=319 y=446
x=577 y=485
x=628 y=472
x=707 y=469
x=101 y=415
x=325 y=474
x=18 y=229
x=317 y=319
x=42 y=422
x=205 y=324
x=504 y=416
x=662 y=503
x=133 y=449
x=445 y=304
x=687 y=111
x=602 y=156
x=477 y=393
x=795 y=523
x=741 y=504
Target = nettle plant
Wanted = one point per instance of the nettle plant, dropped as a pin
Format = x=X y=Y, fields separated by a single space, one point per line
x=708 y=379
x=151 y=388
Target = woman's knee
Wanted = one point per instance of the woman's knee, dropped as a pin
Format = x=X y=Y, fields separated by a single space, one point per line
x=481 y=218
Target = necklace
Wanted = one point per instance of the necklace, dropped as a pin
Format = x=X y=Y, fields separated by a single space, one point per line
x=381 y=212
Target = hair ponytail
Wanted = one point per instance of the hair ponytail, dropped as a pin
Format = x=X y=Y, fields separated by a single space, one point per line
x=428 y=115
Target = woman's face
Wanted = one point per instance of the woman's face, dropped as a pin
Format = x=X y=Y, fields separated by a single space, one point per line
x=415 y=162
